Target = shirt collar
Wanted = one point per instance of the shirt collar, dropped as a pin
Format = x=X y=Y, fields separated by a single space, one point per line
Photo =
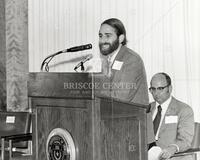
x=112 y=56
x=164 y=105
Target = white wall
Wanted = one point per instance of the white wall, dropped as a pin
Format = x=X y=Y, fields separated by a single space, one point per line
x=164 y=32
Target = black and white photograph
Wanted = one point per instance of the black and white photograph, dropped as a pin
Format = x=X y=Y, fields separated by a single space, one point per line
x=99 y=80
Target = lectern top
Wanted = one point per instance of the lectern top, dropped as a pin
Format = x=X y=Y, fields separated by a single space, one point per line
x=60 y=85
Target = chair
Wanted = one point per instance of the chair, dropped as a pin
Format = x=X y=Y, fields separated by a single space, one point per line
x=196 y=139
x=14 y=132
x=195 y=147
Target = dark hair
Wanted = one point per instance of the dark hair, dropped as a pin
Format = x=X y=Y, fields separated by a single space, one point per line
x=118 y=26
x=167 y=77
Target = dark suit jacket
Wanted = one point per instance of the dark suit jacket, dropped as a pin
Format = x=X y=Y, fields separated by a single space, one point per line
x=177 y=126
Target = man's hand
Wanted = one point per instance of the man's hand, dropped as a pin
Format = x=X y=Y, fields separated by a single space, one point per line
x=168 y=152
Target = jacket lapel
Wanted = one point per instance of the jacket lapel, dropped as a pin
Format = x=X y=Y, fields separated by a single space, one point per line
x=119 y=57
x=171 y=110
x=153 y=107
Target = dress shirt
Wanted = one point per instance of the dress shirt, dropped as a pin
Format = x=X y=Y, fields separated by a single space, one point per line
x=164 y=107
x=112 y=56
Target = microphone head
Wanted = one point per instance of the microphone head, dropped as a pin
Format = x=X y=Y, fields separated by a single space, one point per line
x=80 y=48
x=88 y=46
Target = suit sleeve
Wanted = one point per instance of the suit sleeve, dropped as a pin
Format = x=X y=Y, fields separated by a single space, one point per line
x=150 y=131
x=185 y=130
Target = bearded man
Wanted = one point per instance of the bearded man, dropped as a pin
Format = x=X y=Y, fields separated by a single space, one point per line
x=124 y=75
x=123 y=67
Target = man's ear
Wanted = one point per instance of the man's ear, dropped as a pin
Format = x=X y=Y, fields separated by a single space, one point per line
x=170 y=89
x=121 y=38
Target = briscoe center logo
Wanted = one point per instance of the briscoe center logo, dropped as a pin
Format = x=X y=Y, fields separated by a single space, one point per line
x=60 y=145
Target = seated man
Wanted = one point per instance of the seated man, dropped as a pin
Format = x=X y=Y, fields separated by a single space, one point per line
x=173 y=120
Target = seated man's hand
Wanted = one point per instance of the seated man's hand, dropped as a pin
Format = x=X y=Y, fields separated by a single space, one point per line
x=168 y=152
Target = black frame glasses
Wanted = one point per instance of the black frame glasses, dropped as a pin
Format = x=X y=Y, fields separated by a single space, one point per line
x=153 y=89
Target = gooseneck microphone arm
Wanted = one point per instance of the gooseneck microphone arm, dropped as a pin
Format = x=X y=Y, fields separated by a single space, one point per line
x=73 y=49
x=47 y=60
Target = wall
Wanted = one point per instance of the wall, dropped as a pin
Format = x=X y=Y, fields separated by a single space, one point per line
x=3 y=57
x=16 y=38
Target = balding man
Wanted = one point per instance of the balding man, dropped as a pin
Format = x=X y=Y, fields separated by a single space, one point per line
x=173 y=120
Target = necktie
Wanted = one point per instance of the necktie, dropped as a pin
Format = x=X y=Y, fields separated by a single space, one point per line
x=156 y=121
x=106 y=66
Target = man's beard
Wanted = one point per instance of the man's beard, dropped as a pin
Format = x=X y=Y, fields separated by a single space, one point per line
x=111 y=47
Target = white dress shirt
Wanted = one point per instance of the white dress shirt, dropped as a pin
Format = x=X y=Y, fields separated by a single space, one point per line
x=164 y=107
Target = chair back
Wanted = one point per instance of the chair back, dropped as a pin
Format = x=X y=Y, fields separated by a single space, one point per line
x=196 y=139
x=12 y=123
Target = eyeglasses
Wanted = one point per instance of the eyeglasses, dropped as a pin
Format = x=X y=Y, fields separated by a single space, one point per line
x=153 y=89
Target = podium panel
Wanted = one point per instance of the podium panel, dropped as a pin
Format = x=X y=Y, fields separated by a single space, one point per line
x=75 y=118
x=93 y=128
x=117 y=142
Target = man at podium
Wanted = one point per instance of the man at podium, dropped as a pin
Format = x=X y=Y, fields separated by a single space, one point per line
x=121 y=66
x=124 y=75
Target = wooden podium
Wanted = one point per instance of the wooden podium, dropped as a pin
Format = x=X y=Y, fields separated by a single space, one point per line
x=100 y=128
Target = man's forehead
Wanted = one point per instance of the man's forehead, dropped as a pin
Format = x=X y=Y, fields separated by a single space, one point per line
x=159 y=79
x=105 y=28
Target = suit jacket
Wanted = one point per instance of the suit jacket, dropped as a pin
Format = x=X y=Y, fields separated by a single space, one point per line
x=177 y=127
x=132 y=77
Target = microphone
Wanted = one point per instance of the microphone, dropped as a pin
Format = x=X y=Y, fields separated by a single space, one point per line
x=73 y=49
x=77 y=48
x=83 y=61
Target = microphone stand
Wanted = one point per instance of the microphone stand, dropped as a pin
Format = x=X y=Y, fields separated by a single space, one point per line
x=82 y=67
x=47 y=60
x=73 y=49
